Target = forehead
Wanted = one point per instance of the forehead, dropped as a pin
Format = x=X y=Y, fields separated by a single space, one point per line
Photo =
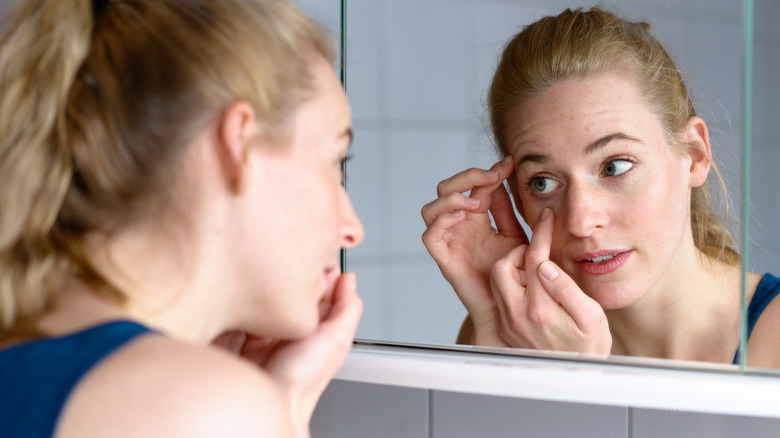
x=579 y=111
x=326 y=111
x=328 y=90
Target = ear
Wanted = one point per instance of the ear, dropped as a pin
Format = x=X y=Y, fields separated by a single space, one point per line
x=236 y=129
x=697 y=138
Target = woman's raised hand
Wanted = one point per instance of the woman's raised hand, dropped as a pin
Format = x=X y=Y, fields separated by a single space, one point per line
x=304 y=367
x=540 y=306
x=463 y=242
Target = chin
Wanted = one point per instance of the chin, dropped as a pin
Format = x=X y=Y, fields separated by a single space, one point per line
x=615 y=298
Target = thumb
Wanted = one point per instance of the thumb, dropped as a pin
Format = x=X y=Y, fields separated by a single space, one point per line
x=567 y=293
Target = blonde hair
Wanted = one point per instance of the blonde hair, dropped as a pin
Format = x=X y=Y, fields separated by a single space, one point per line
x=578 y=43
x=97 y=108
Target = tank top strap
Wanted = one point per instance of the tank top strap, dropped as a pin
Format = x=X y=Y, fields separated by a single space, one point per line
x=38 y=376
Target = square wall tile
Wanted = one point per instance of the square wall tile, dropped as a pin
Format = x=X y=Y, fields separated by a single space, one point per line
x=457 y=415
x=651 y=423
x=365 y=410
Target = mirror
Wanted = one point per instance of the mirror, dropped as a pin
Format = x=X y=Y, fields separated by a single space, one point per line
x=762 y=213
x=417 y=75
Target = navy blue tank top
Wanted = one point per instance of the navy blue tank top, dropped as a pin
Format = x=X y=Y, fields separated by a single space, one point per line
x=37 y=377
x=766 y=291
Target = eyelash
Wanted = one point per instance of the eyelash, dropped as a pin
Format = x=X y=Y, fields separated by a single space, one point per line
x=343 y=168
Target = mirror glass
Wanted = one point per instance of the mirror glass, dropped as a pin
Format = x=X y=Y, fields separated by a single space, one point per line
x=762 y=212
x=417 y=77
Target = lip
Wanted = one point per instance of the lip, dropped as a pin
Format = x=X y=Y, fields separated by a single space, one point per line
x=604 y=267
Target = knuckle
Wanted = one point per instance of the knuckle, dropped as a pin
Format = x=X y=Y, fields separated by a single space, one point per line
x=426 y=236
x=424 y=210
x=498 y=268
x=539 y=315
x=534 y=255
x=441 y=187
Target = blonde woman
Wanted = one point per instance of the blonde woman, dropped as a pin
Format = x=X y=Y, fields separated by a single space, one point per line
x=608 y=163
x=170 y=173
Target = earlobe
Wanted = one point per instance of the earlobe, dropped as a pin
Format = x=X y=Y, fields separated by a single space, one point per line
x=235 y=129
x=697 y=138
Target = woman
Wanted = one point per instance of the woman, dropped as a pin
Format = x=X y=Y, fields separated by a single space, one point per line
x=607 y=162
x=170 y=171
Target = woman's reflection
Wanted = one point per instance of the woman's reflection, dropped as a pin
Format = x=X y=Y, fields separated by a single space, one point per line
x=607 y=162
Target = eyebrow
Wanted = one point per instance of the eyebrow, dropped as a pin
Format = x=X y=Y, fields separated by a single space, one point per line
x=590 y=149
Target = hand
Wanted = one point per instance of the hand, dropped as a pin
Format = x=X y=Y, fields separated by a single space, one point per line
x=304 y=367
x=540 y=306
x=464 y=244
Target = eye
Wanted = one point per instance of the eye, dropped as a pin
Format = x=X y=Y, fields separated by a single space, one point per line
x=342 y=167
x=543 y=185
x=617 y=167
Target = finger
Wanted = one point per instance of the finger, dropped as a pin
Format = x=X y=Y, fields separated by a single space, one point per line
x=451 y=203
x=344 y=315
x=541 y=240
x=467 y=180
x=584 y=310
x=435 y=234
x=538 y=251
x=508 y=279
x=504 y=214
x=507 y=282
x=503 y=169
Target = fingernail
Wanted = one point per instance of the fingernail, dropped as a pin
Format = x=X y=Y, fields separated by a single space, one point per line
x=472 y=201
x=545 y=213
x=549 y=270
x=491 y=173
x=458 y=213
x=508 y=159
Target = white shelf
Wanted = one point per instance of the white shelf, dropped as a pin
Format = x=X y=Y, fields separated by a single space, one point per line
x=652 y=384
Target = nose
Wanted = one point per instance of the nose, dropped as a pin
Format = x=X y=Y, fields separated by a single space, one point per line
x=352 y=231
x=585 y=211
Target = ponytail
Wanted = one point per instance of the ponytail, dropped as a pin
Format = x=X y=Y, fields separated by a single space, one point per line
x=42 y=46
x=98 y=111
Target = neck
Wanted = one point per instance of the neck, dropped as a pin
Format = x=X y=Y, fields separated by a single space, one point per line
x=167 y=286
x=695 y=316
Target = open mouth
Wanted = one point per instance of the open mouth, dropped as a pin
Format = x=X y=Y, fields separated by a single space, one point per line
x=601 y=259
x=605 y=263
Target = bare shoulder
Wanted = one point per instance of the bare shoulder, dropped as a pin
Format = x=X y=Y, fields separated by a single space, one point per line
x=156 y=386
x=763 y=348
